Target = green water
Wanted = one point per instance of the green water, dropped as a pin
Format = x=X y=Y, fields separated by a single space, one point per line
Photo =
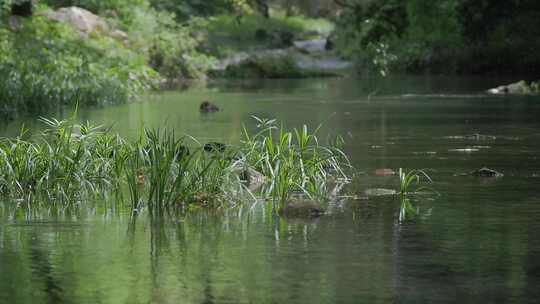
x=479 y=241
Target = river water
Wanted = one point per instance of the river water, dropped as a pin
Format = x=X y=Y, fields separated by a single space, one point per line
x=478 y=241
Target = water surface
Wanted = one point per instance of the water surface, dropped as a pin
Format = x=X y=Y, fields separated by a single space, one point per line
x=478 y=241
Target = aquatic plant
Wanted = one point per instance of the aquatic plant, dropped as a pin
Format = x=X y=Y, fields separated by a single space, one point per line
x=294 y=162
x=406 y=209
x=409 y=182
x=410 y=189
x=70 y=163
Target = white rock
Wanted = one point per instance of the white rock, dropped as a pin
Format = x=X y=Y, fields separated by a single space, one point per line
x=83 y=21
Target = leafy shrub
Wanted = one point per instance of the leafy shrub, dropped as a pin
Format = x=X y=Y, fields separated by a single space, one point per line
x=45 y=64
x=227 y=34
x=442 y=36
x=170 y=48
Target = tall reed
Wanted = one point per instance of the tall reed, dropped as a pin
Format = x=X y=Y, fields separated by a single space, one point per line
x=294 y=161
x=70 y=162
x=410 y=188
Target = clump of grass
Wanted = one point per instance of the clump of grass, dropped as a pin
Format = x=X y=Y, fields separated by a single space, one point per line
x=66 y=163
x=70 y=163
x=293 y=162
x=410 y=188
x=409 y=182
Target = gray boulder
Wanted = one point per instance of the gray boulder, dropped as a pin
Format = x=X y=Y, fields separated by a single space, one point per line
x=517 y=88
x=311 y=46
x=486 y=172
x=282 y=63
x=83 y=21
x=254 y=179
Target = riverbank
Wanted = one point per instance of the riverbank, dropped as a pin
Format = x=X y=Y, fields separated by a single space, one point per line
x=61 y=56
x=67 y=56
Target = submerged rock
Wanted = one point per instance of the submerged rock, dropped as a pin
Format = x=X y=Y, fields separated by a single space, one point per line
x=301 y=208
x=380 y=192
x=385 y=172
x=486 y=172
x=208 y=107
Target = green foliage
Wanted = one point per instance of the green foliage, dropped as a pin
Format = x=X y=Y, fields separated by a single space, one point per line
x=154 y=32
x=172 y=49
x=410 y=189
x=367 y=29
x=5 y=5
x=122 y=9
x=266 y=67
x=45 y=64
x=394 y=34
x=191 y=8
x=68 y=164
x=535 y=87
x=408 y=180
x=71 y=162
x=169 y=48
x=441 y=36
x=293 y=161
x=227 y=35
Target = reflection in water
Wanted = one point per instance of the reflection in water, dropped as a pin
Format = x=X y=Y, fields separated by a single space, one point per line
x=259 y=257
x=42 y=271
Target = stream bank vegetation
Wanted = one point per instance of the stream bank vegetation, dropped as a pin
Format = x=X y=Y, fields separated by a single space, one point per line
x=126 y=47
x=447 y=36
x=70 y=163
x=142 y=44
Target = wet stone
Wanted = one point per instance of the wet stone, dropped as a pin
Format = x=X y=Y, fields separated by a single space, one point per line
x=380 y=192
x=486 y=172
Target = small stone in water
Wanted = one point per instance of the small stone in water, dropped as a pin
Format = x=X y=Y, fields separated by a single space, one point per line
x=380 y=192
x=465 y=150
x=425 y=153
x=384 y=172
x=486 y=172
